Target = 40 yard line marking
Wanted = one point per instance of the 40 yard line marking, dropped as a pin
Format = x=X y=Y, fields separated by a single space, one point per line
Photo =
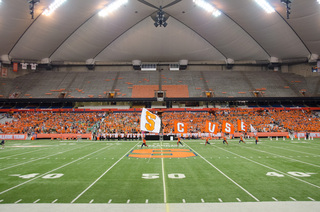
x=234 y=182
x=39 y=159
x=282 y=156
x=85 y=190
x=270 y=168
x=9 y=189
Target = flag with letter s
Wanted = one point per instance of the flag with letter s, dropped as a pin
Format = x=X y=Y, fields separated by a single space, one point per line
x=227 y=127
x=149 y=122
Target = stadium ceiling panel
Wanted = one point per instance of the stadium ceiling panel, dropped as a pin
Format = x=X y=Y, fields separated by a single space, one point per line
x=75 y=32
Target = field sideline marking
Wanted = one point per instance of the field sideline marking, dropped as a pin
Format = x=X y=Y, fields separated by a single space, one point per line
x=22 y=153
x=9 y=189
x=38 y=159
x=270 y=168
x=282 y=156
x=224 y=174
x=290 y=150
x=102 y=174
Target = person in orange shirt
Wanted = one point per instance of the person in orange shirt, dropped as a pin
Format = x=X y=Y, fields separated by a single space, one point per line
x=179 y=141
x=144 y=143
x=241 y=139
x=225 y=140
x=257 y=139
x=207 y=141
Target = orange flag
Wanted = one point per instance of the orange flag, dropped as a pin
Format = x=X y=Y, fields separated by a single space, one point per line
x=242 y=127
x=180 y=127
x=211 y=127
x=227 y=127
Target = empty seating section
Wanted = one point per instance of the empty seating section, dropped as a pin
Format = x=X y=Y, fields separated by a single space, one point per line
x=176 y=91
x=144 y=91
x=97 y=84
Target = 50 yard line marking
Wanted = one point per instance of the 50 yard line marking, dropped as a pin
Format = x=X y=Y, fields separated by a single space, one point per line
x=234 y=182
x=9 y=189
x=85 y=190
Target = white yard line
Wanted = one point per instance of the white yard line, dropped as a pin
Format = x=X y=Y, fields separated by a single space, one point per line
x=39 y=158
x=163 y=182
x=269 y=167
x=234 y=182
x=281 y=156
x=23 y=153
x=85 y=190
x=277 y=147
x=110 y=200
x=274 y=199
x=9 y=189
x=54 y=201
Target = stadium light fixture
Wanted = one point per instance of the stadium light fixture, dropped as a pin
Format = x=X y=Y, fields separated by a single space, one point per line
x=266 y=6
x=112 y=7
x=207 y=7
x=56 y=4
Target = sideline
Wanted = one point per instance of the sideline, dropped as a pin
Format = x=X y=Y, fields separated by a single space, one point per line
x=174 y=207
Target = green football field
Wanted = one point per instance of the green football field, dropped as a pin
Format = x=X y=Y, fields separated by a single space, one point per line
x=45 y=171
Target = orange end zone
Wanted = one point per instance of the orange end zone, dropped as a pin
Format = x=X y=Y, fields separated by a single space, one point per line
x=161 y=153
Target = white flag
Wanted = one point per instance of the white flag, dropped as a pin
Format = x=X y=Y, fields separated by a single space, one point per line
x=252 y=129
x=149 y=122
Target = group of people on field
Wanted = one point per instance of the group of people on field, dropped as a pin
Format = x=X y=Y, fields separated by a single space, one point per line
x=224 y=141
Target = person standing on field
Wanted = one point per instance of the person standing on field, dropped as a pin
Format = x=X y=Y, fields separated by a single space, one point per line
x=2 y=144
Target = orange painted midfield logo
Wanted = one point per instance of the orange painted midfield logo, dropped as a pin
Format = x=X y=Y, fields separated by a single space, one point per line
x=161 y=153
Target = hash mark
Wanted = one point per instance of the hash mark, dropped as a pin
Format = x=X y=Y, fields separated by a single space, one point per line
x=293 y=199
x=91 y=201
x=183 y=200
x=311 y=199
x=54 y=201
x=18 y=201
x=110 y=200
x=1 y=200
x=220 y=200
x=36 y=201
x=202 y=200
x=274 y=199
x=147 y=200
x=128 y=201
x=239 y=200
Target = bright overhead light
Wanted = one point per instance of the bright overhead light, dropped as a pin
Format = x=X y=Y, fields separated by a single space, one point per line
x=53 y=7
x=266 y=6
x=207 y=7
x=112 y=7
x=319 y=1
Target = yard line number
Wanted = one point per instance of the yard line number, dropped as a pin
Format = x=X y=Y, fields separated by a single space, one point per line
x=156 y=176
x=295 y=174
x=29 y=176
